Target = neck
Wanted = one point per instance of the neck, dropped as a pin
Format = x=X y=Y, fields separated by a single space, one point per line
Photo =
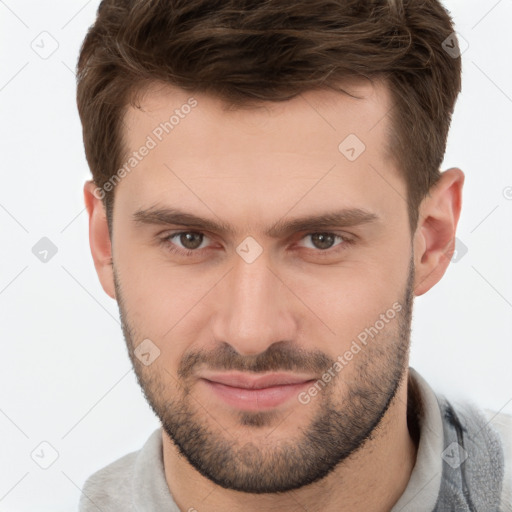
x=372 y=479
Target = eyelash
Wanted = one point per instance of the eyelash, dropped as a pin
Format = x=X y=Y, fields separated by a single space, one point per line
x=171 y=247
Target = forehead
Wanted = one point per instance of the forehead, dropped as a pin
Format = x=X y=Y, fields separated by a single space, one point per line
x=200 y=147
x=358 y=103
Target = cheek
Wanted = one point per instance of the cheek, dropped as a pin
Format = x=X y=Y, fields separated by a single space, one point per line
x=161 y=302
x=347 y=310
x=348 y=300
x=156 y=296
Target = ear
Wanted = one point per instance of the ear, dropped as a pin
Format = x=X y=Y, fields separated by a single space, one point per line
x=434 y=240
x=99 y=237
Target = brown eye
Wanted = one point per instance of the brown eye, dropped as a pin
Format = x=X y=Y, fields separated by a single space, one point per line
x=190 y=240
x=324 y=241
x=184 y=242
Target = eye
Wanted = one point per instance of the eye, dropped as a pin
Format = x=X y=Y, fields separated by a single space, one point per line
x=190 y=241
x=322 y=241
x=325 y=241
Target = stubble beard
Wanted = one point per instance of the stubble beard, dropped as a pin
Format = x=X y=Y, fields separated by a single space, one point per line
x=341 y=425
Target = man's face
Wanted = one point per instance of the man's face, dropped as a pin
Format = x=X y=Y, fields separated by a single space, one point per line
x=320 y=310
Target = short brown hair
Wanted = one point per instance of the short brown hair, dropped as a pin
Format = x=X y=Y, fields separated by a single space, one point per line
x=245 y=51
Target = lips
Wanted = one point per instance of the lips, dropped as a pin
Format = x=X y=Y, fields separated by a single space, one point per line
x=243 y=380
x=250 y=392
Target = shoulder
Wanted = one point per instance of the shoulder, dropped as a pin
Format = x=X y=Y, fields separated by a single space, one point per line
x=110 y=487
x=502 y=424
x=487 y=439
x=129 y=482
x=490 y=437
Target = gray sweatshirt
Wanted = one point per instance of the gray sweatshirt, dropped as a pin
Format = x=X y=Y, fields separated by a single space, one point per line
x=463 y=464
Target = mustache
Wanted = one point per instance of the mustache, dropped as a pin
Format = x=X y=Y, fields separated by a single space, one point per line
x=278 y=356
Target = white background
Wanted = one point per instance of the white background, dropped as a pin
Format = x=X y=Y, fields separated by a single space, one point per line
x=65 y=377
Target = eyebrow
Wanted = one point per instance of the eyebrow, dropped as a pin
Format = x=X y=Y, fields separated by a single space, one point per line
x=348 y=217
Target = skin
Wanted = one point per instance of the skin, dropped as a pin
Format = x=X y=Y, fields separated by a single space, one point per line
x=250 y=168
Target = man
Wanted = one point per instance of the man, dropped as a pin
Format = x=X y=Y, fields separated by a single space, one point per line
x=266 y=203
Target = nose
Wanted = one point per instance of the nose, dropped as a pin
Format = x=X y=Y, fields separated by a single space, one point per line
x=254 y=307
